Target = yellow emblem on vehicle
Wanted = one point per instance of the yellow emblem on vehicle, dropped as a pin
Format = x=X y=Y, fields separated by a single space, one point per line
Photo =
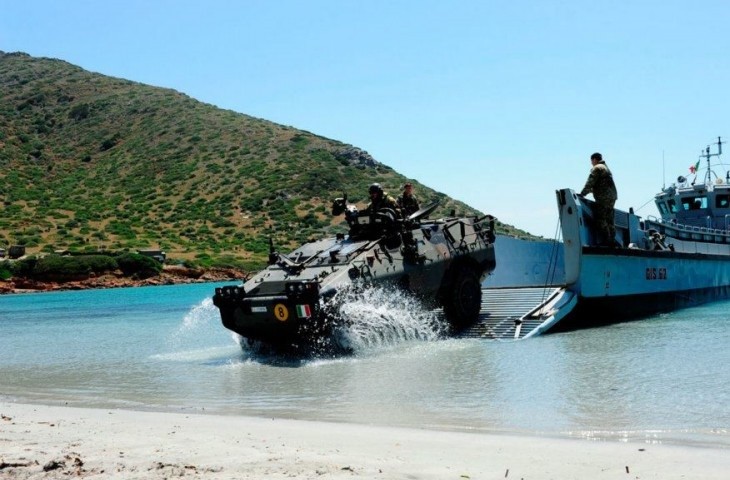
x=281 y=312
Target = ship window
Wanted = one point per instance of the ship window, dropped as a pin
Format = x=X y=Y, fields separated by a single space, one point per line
x=722 y=201
x=672 y=205
x=662 y=208
x=694 y=203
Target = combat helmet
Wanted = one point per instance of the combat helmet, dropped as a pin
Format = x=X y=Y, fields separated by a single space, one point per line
x=375 y=188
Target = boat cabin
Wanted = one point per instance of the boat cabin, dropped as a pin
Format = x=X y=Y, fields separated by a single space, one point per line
x=705 y=205
x=696 y=205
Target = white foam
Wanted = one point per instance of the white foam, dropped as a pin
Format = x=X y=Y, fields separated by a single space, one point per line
x=198 y=336
x=199 y=315
x=193 y=355
x=376 y=318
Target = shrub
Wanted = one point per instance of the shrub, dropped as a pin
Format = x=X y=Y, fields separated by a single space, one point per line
x=134 y=264
x=56 y=265
x=79 y=112
x=24 y=267
x=203 y=259
x=6 y=270
x=190 y=263
x=109 y=143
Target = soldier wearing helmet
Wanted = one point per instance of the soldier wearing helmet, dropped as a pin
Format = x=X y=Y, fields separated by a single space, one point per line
x=380 y=200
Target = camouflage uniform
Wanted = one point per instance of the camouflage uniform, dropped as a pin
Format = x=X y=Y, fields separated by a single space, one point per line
x=408 y=204
x=385 y=201
x=600 y=183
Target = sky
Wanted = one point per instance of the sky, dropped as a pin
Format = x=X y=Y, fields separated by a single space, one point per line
x=495 y=103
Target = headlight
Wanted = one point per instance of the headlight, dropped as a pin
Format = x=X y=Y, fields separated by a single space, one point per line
x=300 y=288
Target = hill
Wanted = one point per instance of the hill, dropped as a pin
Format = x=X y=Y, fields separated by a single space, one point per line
x=91 y=162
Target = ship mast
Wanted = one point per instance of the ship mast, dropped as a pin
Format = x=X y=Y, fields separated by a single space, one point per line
x=707 y=155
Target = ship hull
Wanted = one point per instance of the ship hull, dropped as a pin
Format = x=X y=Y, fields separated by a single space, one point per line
x=598 y=311
x=625 y=272
x=638 y=277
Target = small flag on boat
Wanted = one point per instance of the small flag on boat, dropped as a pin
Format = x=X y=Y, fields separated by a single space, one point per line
x=303 y=311
x=695 y=167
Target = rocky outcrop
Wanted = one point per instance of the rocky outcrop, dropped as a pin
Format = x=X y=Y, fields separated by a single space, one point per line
x=356 y=157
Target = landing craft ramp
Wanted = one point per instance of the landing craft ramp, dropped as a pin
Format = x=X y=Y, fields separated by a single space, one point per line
x=525 y=295
x=518 y=313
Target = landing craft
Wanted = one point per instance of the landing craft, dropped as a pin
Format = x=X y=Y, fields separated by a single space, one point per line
x=655 y=264
x=291 y=305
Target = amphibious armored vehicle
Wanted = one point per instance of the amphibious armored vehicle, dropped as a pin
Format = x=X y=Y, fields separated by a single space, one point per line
x=288 y=305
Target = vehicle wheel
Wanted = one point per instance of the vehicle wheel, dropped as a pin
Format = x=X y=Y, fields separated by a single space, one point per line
x=464 y=299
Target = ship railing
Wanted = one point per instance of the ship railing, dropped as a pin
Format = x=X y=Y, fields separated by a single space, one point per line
x=693 y=232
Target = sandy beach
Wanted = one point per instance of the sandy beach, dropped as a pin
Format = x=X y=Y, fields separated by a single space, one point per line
x=60 y=442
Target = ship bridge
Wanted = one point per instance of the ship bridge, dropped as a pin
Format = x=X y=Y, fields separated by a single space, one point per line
x=696 y=203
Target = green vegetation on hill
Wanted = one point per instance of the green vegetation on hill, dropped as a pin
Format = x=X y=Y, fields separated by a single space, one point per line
x=90 y=162
x=81 y=266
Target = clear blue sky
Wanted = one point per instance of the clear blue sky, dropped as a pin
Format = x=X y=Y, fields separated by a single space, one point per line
x=496 y=103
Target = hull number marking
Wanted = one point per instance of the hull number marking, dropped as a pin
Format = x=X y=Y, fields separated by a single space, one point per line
x=653 y=273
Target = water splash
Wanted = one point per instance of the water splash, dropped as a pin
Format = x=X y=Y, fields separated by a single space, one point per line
x=365 y=320
x=201 y=326
x=376 y=317
x=196 y=319
x=198 y=335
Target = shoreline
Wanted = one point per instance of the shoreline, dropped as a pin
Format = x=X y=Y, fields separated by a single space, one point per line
x=170 y=275
x=40 y=441
x=714 y=438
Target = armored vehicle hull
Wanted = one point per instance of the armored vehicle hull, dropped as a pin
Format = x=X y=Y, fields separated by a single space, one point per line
x=291 y=304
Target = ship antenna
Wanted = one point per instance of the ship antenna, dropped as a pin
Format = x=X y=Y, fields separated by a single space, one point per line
x=664 y=173
x=707 y=155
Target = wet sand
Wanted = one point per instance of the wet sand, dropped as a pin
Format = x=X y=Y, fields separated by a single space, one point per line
x=61 y=442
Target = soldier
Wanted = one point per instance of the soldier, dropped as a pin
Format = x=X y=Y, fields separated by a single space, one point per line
x=600 y=183
x=408 y=202
x=380 y=200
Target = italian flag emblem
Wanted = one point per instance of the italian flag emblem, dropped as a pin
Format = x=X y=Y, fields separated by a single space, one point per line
x=303 y=311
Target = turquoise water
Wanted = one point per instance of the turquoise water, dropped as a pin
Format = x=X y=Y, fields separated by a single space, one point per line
x=662 y=379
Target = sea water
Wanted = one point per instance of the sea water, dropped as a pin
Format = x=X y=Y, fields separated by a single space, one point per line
x=660 y=379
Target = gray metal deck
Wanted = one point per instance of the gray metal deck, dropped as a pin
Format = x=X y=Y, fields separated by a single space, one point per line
x=502 y=309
